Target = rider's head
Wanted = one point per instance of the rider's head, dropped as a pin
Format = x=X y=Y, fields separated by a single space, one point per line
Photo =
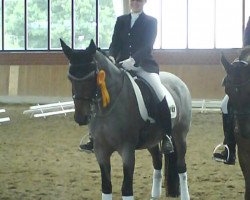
x=137 y=5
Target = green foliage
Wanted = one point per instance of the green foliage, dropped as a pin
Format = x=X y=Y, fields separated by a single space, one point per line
x=14 y=24
x=60 y=25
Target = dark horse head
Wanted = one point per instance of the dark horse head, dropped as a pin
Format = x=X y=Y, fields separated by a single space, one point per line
x=82 y=74
x=87 y=72
x=237 y=81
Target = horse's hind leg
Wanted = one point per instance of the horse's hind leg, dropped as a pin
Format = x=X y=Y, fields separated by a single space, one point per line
x=157 y=174
x=181 y=146
x=176 y=171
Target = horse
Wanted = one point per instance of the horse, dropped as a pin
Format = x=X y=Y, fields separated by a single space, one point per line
x=104 y=99
x=237 y=87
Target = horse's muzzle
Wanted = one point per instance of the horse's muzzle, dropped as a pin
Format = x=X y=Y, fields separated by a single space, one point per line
x=82 y=120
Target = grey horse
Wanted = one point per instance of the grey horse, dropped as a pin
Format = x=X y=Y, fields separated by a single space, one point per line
x=104 y=99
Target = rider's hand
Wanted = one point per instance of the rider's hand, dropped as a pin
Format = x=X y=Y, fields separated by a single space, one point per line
x=112 y=59
x=128 y=64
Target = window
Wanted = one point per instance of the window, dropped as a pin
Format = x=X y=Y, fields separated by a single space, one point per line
x=37 y=25
x=194 y=24
x=13 y=25
x=199 y=24
x=247 y=11
x=107 y=18
x=228 y=24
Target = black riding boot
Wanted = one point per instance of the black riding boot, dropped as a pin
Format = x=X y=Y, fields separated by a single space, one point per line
x=165 y=122
x=229 y=140
x=88 y=147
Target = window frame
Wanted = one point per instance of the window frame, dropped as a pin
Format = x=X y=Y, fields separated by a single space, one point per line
x=244 y=18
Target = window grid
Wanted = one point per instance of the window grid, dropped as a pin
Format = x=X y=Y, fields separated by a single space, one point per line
x=26 y=48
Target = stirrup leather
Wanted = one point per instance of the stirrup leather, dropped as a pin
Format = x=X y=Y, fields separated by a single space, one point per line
x=225 y=148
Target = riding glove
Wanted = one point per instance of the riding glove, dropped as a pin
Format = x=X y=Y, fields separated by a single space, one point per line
x=128 y=64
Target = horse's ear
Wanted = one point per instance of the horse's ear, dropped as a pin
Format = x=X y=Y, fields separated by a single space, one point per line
x=66 y=49
x=92 y=47
x=227 y=65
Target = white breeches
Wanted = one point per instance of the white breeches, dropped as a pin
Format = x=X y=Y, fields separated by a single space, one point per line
x=224 y=104
x=153 y=79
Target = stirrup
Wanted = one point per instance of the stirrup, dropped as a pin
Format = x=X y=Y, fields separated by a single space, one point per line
x=169 y=141
x=84 y=147
x=83 y=139
x=225 y=148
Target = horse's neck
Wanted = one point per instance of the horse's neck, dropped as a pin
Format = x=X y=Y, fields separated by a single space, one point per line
x=114 y=77
x=112 y=73
x=114 y=82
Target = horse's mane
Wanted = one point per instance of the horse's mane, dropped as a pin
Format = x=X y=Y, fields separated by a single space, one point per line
x=104 y=53
x=245 y=54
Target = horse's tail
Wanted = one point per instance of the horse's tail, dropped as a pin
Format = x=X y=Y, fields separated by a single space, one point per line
x=171 y=182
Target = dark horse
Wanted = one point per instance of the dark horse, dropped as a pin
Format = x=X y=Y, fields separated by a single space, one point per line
x=237 y=87
x=105 y=99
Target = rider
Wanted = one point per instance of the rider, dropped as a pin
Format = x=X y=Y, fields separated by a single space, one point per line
x=227 y=120
x=132 y=43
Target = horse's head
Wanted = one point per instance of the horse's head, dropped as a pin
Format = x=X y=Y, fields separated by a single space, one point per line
x=82 y=74
x=237 y=81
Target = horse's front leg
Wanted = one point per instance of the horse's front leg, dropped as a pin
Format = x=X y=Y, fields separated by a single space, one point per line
x=244 y=160
x=106 y=181
x=128 y=159
x=157 y=174
x=105 y=167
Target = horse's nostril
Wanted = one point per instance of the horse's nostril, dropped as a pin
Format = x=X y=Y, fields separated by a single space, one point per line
x=81 y=120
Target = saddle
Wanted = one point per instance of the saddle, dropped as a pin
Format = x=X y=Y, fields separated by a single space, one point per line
x=147 y=99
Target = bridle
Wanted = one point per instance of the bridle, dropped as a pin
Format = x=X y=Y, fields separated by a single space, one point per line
x=91 y=75
x=237 y=88
x=238 y=85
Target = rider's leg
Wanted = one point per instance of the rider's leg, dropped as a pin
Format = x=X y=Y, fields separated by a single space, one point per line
x=164 y=113
x=229 y=138
x=165 y=121
x=87 y=147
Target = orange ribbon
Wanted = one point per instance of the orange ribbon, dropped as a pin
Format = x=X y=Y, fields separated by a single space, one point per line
x=101 y=82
